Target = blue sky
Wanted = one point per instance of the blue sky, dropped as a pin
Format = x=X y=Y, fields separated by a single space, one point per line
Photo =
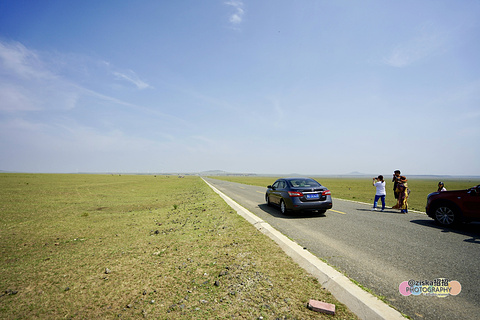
x=308 y=87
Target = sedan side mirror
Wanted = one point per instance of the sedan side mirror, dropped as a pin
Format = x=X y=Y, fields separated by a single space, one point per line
x=270 y=187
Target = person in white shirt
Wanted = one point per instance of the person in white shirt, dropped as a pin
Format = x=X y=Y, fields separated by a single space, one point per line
x=381 y=193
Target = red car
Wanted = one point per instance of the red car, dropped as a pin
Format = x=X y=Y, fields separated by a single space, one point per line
x=450 y=208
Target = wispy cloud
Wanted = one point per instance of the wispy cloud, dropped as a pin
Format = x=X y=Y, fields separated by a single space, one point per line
x=131 y=77
x=237 y=17
x=27 y=82
x=14 y=99
x=33 y=81
x=425 y=43
x=16 y=59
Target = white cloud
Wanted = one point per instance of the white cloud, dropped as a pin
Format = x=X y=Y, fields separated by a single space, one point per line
x=237 y=17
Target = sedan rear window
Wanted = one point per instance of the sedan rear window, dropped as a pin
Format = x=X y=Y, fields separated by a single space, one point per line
x=300 y=183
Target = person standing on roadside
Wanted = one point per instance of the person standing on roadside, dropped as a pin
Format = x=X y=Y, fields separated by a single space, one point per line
x=396 y=177
x=402 y=189
x=380 y=193
x=441 y=187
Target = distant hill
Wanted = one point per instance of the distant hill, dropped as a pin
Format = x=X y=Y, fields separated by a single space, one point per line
x=356 y=173
x=224 y=173
x=213 y=173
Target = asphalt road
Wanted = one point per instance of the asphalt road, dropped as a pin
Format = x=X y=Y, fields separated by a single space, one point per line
x=380 y=250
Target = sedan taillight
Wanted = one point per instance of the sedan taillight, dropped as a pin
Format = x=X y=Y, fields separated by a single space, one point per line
x=326 y=193
x=295 y=194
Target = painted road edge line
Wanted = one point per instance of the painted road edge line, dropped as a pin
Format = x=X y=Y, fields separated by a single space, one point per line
x=360 y=302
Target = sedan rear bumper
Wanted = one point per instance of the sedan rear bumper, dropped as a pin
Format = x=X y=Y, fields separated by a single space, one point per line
x=298 y=205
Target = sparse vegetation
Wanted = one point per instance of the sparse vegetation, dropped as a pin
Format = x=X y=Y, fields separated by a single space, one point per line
x=107 y=246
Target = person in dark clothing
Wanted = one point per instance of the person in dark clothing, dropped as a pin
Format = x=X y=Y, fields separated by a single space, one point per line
x=395 y=179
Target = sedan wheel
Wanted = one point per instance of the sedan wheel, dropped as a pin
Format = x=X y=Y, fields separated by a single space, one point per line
x=267 y=199
x=445 y=216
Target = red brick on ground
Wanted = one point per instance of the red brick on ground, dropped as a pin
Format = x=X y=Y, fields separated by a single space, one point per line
x=320 y=306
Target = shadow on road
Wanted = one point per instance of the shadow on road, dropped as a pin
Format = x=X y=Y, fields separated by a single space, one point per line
x=467 y=229
x=387 y=210
x=274 y=211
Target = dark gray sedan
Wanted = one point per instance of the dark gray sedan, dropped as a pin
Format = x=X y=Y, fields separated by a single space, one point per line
x=299 y=194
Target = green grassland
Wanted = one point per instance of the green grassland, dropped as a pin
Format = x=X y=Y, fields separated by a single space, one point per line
x=138 y=246
x=362 y=190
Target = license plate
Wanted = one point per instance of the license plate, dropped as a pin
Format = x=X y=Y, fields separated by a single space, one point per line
x=313 y=196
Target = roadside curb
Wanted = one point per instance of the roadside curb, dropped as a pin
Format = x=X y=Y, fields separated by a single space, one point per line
x=360 y=302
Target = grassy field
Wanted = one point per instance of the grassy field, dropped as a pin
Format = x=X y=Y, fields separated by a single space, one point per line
x=362 y=190
x=155 y=247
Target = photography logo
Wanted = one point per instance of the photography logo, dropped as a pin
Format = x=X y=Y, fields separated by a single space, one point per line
x=439 y=287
